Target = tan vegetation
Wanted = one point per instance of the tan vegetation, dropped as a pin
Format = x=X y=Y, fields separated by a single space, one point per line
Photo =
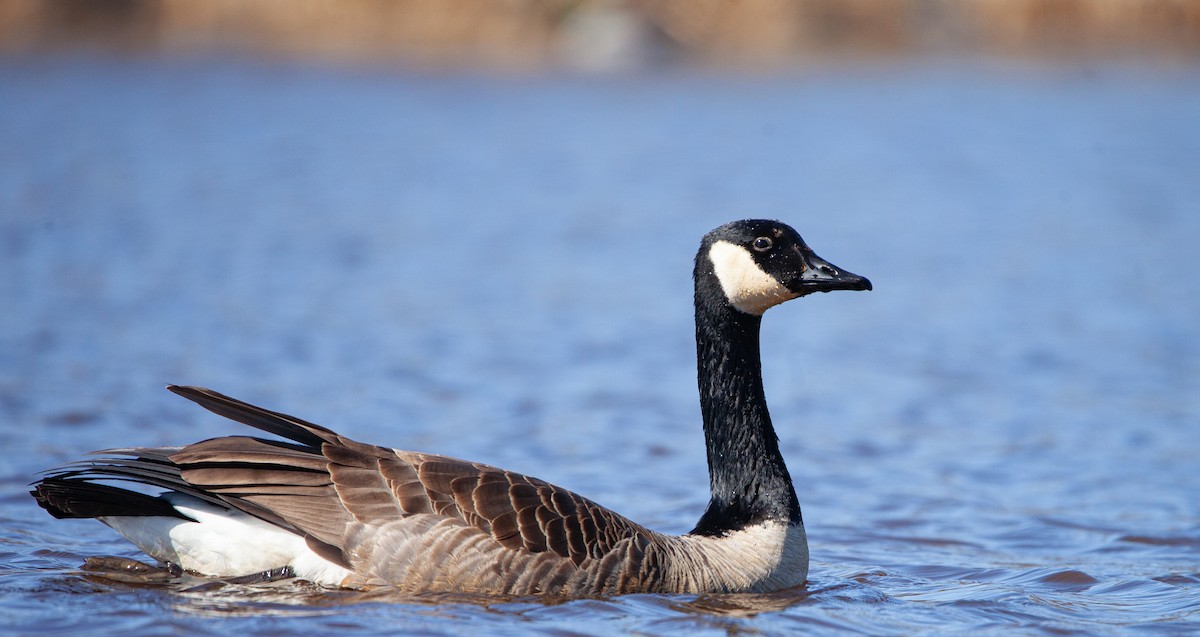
x=521 y=33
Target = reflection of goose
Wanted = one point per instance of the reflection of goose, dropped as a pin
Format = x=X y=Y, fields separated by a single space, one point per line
x=342 y=513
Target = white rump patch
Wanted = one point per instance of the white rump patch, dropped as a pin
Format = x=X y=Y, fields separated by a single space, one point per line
x=224 y=543
x=747 y=286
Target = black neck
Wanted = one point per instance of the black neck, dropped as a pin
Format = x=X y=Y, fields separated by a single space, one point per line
x=748 y=478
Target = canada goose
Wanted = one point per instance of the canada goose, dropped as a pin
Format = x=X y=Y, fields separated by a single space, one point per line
x=342 y=513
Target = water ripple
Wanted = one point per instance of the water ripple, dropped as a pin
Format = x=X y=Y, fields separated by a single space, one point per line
x=999 y=439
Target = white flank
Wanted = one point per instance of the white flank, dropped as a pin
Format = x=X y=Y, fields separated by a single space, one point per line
x=224 y=543
x=746 y=285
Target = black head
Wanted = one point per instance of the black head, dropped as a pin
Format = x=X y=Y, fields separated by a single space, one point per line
x=760 y=263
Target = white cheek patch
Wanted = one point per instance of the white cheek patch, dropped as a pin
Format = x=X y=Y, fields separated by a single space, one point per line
x=746 y=285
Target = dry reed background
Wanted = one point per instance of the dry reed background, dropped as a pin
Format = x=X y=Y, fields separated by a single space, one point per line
x=521 y=34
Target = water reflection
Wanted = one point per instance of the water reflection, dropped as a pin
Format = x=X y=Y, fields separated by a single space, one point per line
x=747 y=604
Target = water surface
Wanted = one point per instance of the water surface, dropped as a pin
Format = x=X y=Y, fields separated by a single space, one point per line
x=1002 y=435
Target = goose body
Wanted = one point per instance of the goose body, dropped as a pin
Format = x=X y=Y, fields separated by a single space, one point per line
x=341 y=513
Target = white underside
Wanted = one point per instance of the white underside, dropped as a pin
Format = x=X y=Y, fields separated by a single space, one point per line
x=224 y=543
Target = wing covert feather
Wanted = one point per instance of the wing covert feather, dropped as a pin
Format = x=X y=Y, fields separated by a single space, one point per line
x=328 y=488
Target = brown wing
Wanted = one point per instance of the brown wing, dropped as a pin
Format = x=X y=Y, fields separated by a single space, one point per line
x=324 y=482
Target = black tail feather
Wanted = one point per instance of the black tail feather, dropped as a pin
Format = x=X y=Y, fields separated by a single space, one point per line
x=75 y=498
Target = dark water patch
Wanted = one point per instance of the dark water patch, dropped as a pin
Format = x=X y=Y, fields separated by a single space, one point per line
x=1180 y=579
x=1068 y=580
x=75 y=418
x=1174 y=541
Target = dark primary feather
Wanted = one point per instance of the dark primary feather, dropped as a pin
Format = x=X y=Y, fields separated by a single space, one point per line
x=283 y=425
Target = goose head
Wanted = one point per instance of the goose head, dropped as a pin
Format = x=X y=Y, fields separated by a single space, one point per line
x=759 y=263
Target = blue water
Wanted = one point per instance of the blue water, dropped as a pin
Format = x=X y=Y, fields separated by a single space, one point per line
x=1002 y=435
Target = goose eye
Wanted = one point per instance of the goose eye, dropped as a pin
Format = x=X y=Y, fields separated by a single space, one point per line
x=762 y=244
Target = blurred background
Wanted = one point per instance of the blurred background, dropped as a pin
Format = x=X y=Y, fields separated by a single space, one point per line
x=536 y=34
x=467 y=226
